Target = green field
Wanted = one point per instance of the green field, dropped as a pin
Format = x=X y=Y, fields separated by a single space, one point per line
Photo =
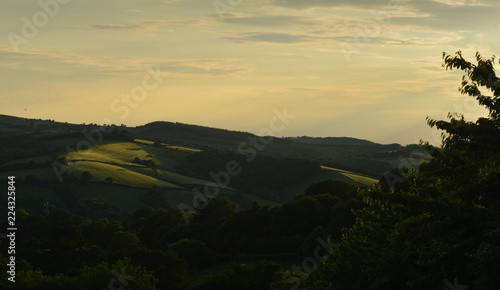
x=115 y=160
x=146 y=142
x=328 y=173
x=353 y=177
x=180 y=148
x=124 y=153
x=183 y=149
x=168 y=176
x=121 y=175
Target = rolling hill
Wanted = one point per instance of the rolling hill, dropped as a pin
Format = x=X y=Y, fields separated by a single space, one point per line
x=163 y=164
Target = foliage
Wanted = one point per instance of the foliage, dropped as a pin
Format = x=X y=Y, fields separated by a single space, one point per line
x=196 y=253
x=86 y=176
x=339 y=188
x=258 y=276
x=439 y=223
x=262 y=172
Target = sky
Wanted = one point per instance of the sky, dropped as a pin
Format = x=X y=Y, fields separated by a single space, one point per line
x=368 y=69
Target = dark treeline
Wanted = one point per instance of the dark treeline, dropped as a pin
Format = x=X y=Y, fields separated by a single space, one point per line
x=60 y=249
x=257 y=174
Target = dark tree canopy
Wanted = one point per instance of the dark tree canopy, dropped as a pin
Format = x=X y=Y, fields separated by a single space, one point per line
x=443 y=224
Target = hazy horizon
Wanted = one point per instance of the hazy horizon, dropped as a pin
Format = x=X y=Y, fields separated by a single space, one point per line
x=369 y=70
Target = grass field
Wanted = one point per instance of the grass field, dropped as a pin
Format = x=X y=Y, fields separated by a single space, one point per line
x=355 y=177
x=168 y=176
x=115 y=160
x=327 y=173
x=173 y=147
x=121 y=175
x=124 y=153
x=145 y=142
x=183 y=149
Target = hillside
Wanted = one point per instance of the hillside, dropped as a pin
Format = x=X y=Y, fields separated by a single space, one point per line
x=171 y=162
x=346 y=153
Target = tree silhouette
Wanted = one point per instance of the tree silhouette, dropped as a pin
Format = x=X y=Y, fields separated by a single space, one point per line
x=86 y=176
x=444 y=221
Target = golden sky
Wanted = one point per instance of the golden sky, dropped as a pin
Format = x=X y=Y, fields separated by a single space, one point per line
x=368 y=69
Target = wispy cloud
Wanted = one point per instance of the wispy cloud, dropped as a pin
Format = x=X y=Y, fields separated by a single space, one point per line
x=116 y=27
x=267 y=20
x=64 y=62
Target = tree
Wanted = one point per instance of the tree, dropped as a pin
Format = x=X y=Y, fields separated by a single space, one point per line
x=217 y=211
x=337 y=187
x=124 y=240
x=258 y=276
x=195 y=252
x=470 y=152
x=443 y=219
x=86 y=176
x=114 y=277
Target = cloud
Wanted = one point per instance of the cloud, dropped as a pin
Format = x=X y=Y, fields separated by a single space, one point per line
x=451 y=15
x=115 y=27
x=151 y=25
x=268 y=37
x=461 y=2
x=69 y=63
x=267 y=20
x=300 y=4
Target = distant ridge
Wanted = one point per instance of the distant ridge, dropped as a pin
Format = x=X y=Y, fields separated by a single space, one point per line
x=10 y=119
x=331 y=140
x=179 y=130
x=346 y=153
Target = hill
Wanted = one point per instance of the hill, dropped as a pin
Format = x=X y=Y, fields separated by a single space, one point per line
x=361 y=156
x=163 y=164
